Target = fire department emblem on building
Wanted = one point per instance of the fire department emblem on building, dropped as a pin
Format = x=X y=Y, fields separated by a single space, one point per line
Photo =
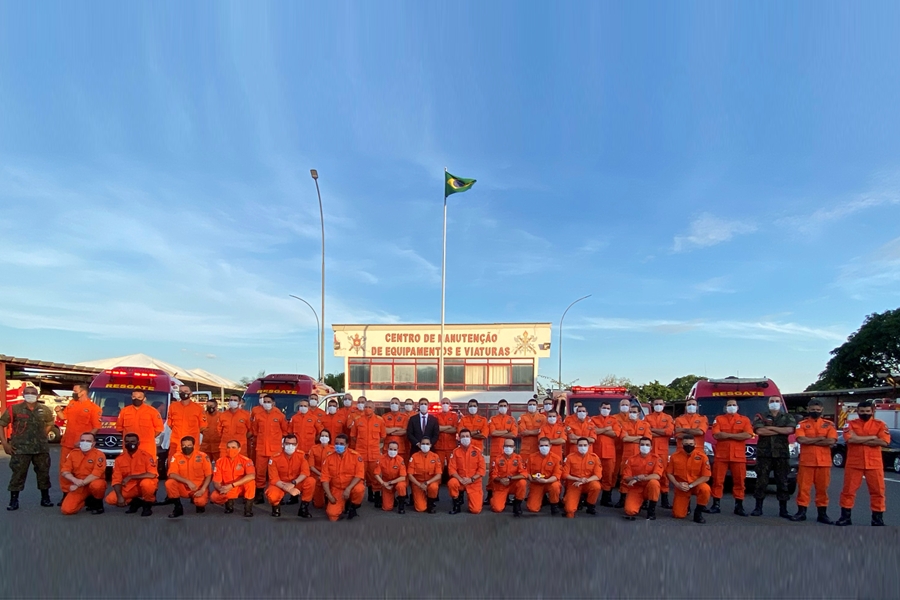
x=525 y=343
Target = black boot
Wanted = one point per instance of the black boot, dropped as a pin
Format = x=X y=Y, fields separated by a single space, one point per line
x=664 y=501
x=352 y=514
x=431 y=506
x=248 y=508
x=134 y=506
x=651 y=511
x=621 y=502
x=96 y=506
x=845 y=518
x=823 y=516
x=229 y=507
x=562 y=507
x=276 y=510
x=178 y=510
x=401 y=505
x=260 y=497
x=606 y=498
x=303 y=513
x=715 y=508
x=487 y=498
x=698 y=515
x=877 y=519
x=783 y=512
x=457 y=506
x=371 y=495
x=591 y=509
x=378 y=502
x=800 y=515
x=45 y=499
x=63 y=498
x=199 y=509
x=757 y=510
x=517 y=509
x=739 y=508
x=147 y=509
x=13 y=501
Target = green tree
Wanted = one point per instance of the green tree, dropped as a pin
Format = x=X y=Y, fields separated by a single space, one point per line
x=874 y=348
x=682 y=385
x=245 y=381
x=653 y=390
x=336 y=382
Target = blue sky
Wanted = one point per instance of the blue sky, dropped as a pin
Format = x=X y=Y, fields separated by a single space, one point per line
x=724 y=179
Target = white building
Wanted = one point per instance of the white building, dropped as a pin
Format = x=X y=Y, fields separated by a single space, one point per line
x=482 y=361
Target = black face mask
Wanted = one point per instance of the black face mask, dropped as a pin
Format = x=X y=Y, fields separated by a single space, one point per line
x=184 y=395
x=131 y=447
x=865 y=417
x=137 y=401
x=688 y=448
x=210 y=409
x=815 y=415
x=187 y=450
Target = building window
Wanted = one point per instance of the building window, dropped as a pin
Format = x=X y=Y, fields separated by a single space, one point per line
x=459 y=374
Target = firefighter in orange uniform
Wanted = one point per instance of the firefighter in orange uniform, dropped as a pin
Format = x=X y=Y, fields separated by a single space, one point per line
x=572 y=417
x=582 y=473
x=466 y=468
x=475 y=423
x=81 y=416
x=268 y=429
x=142 y=420
x=186 y=419
x=816 y=437
x=306 y=426
x=608 y=433
x=314 y=409
x=316 y=458
x=554 y=431
x=530 y=425
x=391 y=475
x=691 y=424
x=662 y=426
x=544 y=472
x=632 y=432
x=395 y=427
x=448 y=421
x=233 y=424
x=209 y=444
x=83 y=471
x=334 y=420
x=500 y=428
x=234 y=477
x=865 y=437
x=367 y=434
x=188 y=477
x=289 y=474
x=344 y=415
x=424 y=474
x=343 y=473
x=135 y=477
x=640 y=476
x=354 y=413
x=621 y=418
x=731 y=432
x=508 y=474
x=688 y=471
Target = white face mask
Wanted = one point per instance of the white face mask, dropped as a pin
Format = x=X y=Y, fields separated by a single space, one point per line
x=392 y=453
x=582 y=450
x=582 y=415
x=332 y=410
x=324 y=440
x=731 y=409
x=774 y=406
x=633 y=416
x=267 y=406
x=544 y=450
x=425 y=448
x=532 y=408
x=445 y=408
x=604 y=412
x=304 y=410
x=551 y=420
x=232 y=404
x=645 y=450
x=361 y=405
x=409 y=408
x=624 y=408
x=548 y=407
x=507 y=450
x=423 y=409
x=691 y=409
x=658 y=407
x=260 y=401
x=473 y=410
x=30 y=398
x=502 y=410
x=84 y=446
x=348 y=403
x=289 y=449
x=395 y=407
x=464 y=442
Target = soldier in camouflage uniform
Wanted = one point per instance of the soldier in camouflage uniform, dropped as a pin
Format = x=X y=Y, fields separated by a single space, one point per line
x=27 y=445
x=773 y=454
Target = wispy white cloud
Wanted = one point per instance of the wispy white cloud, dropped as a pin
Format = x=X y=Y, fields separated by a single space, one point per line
x=876 y=272
x=762 y=330
x=714 y=285
x=708 y=230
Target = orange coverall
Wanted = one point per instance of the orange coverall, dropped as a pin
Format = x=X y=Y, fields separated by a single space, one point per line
x=338 y=471
x=393 y=420
x=81 y=465
x=642 y=490
x=815 y=461
x=334 y=424
x=227 y=471
x=268 y=429
x=661 y=420
x=605 y=448
x=139 y=463
x=195 y=468
x=185 y=421
x=315 y=457
x=367 y=433
x=467 y=463
x=233 y=425
x=529 y=443
x=255 y=412
x=629 y=449
x=694 y=421
x=499 y=423
x=211 y=437
x=622 y=419
x=474 y=423
x=446 y=442
x=508 y=466
x=352 y=414
x=390 y=469
x=284 y=468
x=554 y=432
x=579 y=429
x=581 y=466
x=687 y=469
x=145 y=422
x=730 y=454
x=81 y=416
x=343 y=416
x=423 y=467
x=307 y=429
x=547 y=466
x=864 y=461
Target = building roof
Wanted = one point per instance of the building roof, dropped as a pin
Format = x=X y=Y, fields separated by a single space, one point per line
x=142 y=360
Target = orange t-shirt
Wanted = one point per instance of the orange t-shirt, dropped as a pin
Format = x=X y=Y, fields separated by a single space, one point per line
x=815 y=456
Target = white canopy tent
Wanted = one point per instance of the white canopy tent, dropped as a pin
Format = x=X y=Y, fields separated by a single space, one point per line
x=195 y=376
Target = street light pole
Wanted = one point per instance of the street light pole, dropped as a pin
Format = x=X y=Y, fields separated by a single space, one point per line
x=559 y=375
x=317 y=329
x=315 y=176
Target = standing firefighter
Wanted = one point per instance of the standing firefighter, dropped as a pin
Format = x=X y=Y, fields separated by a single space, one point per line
x=772 y=454
x=27 y=445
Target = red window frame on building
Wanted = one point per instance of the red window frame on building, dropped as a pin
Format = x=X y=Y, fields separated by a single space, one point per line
x=509 y=386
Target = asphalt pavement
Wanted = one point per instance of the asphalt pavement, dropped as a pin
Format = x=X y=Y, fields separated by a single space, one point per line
x=418 y=555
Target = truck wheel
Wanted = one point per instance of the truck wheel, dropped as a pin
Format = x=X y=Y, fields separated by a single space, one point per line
x=897 y=465
x=838 y=459
x=54 y=436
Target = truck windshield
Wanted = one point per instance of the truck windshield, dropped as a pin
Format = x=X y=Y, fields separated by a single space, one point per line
x=749 y=407
x=286 y=403
x=112 y=401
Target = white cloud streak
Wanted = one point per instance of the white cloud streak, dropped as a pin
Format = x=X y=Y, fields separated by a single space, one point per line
x=760 y=330
x=708 y=230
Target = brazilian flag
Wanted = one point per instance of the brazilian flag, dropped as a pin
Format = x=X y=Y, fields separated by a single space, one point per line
x=455 y=185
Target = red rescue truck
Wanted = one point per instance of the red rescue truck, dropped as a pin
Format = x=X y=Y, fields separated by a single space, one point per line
x=591 y=397
x=285 y=390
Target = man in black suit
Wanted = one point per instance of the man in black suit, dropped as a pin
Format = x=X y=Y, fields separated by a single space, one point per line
x=421 y=426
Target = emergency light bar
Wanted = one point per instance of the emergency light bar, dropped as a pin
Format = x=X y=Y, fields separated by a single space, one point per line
x=598 y=389
x=132 y=373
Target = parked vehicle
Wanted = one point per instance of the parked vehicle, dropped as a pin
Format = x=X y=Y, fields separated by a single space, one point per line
x=890 y=454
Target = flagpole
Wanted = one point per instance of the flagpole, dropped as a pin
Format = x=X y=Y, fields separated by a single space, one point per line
x=443 y=293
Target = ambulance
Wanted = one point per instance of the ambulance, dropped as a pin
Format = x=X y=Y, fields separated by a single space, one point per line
x=286 y=391
x=591 y=397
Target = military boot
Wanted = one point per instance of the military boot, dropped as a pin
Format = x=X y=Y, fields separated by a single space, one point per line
x=877 y=519
x=303 y=513
x=606 y=498
x=651 y=511
x=229 y=507
x=260 y=497
x=800 y=515
x=664 y=501
x=134 y=506
x=13 y=501
x=276 y=510
x=178 y=510
x=845 y=518
x=621 y=502
x=517 y=508
x=248 y=507
x=487 y=498
x=45 y=499
x=554 y=509
x=591 y=509
x=457 y=506
x=715 y=508
x=739 y=508
x=352 y=514
x=698 y=515
x=146 y=509
x=783 y=510
x=199 y=509
x=757 y=510
x=431 y=506
x=371 y=495
x=401 y=505
x=61 y=500
x=823 y=516
x=378 y=500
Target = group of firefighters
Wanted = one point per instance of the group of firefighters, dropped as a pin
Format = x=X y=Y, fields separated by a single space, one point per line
x=329 y=458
